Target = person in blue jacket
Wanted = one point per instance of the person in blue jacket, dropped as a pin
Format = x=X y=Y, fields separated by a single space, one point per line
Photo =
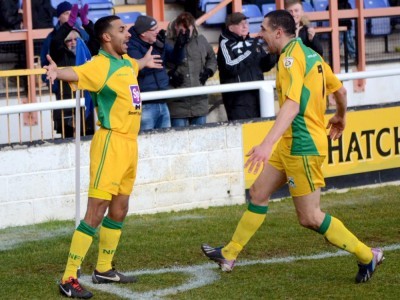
x=144 y=34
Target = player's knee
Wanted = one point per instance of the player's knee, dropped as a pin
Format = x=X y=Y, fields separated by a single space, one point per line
x=257 y=196
x=118 y=213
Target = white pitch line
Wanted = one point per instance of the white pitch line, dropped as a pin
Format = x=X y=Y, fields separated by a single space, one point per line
x=19 y=235
x=200 y=275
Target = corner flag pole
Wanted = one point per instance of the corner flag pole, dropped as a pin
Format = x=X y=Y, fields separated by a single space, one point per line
x=77 y=158
x=78 y=163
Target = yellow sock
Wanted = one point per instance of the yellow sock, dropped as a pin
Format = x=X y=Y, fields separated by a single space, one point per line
x=80 y=244
x=337 y=234
x=251 y=220
x=110 y=232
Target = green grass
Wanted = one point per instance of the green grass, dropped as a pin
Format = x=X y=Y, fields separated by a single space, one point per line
x=33 y=257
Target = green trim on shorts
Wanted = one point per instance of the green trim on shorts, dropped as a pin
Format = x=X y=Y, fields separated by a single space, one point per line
x=111 y=224
x=86 y=229
x=308 y=173
x=325 y=224
x=257 y=209
x=103 y=157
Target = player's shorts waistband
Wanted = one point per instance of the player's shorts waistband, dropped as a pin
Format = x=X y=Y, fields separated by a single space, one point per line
x=128 y=136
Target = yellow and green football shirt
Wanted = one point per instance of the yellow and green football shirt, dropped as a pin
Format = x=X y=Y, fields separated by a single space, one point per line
x=115 y=92
x=305 y=78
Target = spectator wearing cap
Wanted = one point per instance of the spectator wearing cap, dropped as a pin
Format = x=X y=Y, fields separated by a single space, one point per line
x=145 y=34
x=63 y=50
x=241 y=58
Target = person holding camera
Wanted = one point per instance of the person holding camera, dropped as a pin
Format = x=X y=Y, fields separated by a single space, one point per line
x=199 y=64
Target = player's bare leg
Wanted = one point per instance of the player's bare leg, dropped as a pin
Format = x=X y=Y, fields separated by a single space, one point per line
x=269 y=180
x=308 y=210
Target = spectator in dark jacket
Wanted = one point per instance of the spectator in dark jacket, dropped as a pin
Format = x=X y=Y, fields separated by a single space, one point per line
x=10 y=15
x=199 y=64
x=63 y=51
x=145 y=34
x=240 y=59
x=42 y=14
x=303 y=30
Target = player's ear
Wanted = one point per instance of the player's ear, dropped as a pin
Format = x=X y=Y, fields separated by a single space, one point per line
x=106 y=37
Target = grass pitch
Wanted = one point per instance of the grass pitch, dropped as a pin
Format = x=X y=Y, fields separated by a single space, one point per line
x=282 y=261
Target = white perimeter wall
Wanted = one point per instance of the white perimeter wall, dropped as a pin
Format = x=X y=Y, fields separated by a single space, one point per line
x=177 y=169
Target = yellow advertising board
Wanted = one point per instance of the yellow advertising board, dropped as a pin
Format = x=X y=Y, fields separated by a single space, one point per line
x=370 y=142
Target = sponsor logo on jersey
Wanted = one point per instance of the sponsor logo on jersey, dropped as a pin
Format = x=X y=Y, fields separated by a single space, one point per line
x=135 y=94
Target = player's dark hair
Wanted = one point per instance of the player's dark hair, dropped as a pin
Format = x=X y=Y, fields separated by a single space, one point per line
x=283 y=19
x=102 y=25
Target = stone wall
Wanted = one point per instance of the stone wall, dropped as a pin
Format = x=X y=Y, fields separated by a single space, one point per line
x=177 y=169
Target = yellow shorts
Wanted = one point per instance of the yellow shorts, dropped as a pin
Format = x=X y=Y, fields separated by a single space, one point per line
x=113 y=162
x=303 y=173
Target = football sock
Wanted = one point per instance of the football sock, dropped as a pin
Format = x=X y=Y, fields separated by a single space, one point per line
x=81 y=241
x=251 y=220
x=337 y=234
x=110 y=232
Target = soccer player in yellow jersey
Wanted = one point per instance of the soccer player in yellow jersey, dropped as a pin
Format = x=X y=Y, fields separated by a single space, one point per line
x=303 y=81
x=111 y=78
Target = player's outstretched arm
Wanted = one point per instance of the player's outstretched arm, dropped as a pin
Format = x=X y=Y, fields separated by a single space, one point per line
x=150 y=60
x=53 y=72
x=337 y=123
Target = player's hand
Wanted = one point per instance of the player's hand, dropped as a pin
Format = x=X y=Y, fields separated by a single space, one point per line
x=51 y=73
x=336 y=126
x=152 y=60
x=258 y=157
x=310 y=33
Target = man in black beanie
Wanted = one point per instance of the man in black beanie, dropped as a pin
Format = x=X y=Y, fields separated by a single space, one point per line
x=146 y=33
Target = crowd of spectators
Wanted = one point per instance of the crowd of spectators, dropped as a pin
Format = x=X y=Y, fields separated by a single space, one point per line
x=67 y=48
